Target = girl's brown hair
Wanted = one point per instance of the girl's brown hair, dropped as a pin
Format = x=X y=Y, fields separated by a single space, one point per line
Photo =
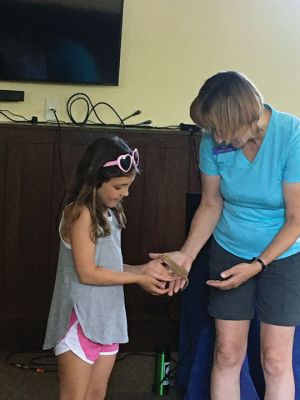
x=90 y=175
x=227 y=102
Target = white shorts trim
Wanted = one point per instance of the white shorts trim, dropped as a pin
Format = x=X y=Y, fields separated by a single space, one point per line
x=71 y=343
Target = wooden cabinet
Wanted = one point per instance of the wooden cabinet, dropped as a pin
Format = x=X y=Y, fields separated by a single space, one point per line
x=37 y=164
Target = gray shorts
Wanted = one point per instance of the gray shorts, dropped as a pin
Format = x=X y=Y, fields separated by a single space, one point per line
x=275 y=293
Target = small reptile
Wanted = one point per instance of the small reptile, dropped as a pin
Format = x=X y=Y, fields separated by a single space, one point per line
x=174 y=268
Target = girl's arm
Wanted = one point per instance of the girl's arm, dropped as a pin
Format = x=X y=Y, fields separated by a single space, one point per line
x=83 y=251
x=153 y=268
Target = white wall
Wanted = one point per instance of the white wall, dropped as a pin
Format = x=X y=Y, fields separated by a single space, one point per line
x=169 y=47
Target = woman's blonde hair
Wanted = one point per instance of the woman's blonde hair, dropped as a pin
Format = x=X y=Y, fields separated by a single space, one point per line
x=227 y=102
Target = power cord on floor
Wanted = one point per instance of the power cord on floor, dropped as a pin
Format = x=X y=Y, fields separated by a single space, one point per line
x=34 y=364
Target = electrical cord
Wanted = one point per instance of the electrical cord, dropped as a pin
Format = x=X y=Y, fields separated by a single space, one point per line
x=34 y=363
x=90 y=108
x=60 y=166
x=3 y=112
x=137 y=112
x=59 y=148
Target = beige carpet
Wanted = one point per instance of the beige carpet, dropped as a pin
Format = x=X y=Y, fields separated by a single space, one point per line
x=131 y=379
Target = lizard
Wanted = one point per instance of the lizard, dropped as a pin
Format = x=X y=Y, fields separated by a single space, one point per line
x=174 y=268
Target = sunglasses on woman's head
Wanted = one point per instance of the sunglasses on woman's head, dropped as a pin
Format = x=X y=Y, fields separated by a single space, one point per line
x=125 y=161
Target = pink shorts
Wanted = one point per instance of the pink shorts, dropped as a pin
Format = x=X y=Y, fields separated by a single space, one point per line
x=79 y=344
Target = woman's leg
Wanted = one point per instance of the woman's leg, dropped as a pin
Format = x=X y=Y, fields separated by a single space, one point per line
x=229 y=354
x=276 y=355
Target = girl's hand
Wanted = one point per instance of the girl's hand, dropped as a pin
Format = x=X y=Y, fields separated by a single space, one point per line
x=155 y=269
x=181 y=259
x=152 y=285
x=235 y=276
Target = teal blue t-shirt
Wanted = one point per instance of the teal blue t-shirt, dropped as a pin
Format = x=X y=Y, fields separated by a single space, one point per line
x=254 y=208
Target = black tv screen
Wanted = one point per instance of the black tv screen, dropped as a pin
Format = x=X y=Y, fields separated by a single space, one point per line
x=61 y=41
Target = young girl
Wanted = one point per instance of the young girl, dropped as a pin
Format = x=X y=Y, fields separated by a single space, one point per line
x=87 y=319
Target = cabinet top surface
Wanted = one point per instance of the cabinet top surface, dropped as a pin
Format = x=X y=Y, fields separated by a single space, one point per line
x=93 y=128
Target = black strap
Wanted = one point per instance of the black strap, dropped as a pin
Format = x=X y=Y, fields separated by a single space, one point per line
x=263 y=265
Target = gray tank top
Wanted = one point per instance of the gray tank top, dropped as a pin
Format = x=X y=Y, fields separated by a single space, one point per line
x=100 y=309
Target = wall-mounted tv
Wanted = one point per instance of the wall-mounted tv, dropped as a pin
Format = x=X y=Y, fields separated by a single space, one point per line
x=61 y=41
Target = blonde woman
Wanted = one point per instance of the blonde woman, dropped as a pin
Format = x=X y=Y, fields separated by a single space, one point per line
x=250 y=203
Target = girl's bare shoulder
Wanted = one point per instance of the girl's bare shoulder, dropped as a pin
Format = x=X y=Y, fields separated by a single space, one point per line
x=74 y=216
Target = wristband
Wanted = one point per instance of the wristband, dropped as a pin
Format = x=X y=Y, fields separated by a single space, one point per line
x=263 y=265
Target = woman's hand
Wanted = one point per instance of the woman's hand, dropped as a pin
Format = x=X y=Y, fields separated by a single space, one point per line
x=235 y=276
x=181 y=259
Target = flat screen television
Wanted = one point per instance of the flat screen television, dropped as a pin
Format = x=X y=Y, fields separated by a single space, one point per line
x=61 y=41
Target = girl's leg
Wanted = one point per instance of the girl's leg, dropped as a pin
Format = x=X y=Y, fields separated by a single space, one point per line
x=99 y=379
x=79 y=380
x=276 y=355
x=74 y=376
x=229 y=354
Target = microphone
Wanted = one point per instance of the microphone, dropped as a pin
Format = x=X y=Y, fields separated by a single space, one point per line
x=145 y=122
x=137 y=112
